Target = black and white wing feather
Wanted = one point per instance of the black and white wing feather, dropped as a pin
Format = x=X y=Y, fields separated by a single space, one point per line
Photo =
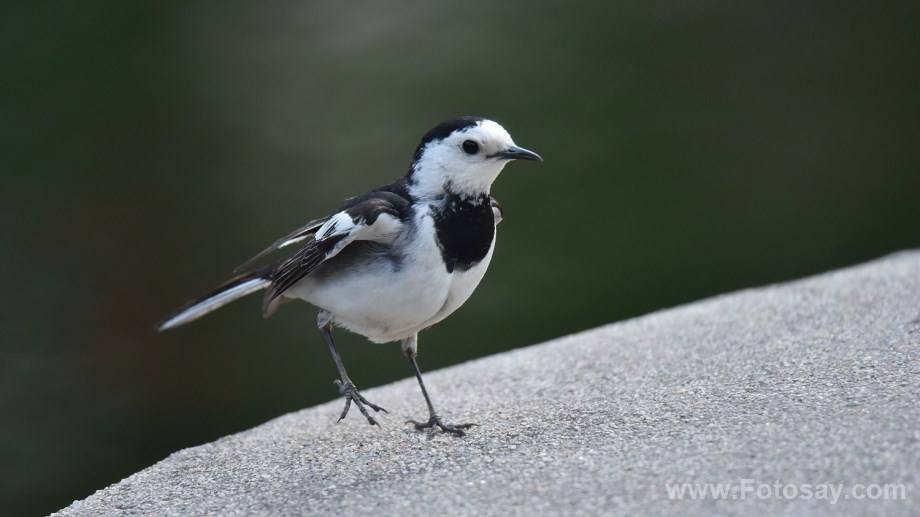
x=498 y=212
x=299 y=235
x=378 y=217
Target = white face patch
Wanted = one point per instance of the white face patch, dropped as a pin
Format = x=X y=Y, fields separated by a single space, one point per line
x=450 y=162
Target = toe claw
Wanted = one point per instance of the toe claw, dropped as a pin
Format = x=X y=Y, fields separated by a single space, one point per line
x=345 y=411
x=348 y=390
x=435 y=421
x=370 y=404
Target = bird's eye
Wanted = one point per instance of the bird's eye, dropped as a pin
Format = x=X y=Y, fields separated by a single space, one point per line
x=470 y=147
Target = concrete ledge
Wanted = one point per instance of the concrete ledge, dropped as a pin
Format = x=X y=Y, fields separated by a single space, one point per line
x=815 y=381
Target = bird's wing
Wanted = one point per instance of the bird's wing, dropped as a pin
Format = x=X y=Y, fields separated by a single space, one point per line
x=497 y=211
x=294 y=237
x=377 y=217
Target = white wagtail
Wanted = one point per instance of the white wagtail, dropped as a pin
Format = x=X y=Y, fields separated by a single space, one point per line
x=394 y=261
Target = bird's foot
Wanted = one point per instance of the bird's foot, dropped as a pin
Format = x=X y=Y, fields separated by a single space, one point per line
x=351 y=394
x=435 y=422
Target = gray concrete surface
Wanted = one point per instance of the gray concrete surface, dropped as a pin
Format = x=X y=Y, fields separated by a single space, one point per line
x=807 y=383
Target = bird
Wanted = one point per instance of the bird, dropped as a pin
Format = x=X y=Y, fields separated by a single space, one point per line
x=393 y=261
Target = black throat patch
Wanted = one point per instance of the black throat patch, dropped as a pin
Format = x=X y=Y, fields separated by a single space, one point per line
x=465 y=228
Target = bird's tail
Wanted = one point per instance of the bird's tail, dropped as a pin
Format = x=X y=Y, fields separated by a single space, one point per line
x=235 y=288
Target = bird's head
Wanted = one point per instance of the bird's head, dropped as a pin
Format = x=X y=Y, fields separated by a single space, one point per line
x=463 y=155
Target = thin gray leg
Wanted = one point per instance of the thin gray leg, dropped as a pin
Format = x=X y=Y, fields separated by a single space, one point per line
x=346 y=387
x=410 y=350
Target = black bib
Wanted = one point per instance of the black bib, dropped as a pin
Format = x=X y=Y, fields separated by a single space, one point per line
x=465 y=229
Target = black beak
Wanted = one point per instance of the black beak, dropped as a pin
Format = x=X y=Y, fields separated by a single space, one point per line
x=517 y=153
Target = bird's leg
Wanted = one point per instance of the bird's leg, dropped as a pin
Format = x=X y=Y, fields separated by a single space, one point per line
x=346 y=387
x=410 y=349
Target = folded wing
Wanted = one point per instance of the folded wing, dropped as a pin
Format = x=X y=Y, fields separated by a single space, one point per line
x=298 y=235
x=377 y=217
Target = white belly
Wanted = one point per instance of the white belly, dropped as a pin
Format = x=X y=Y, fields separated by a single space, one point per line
x=393 y=301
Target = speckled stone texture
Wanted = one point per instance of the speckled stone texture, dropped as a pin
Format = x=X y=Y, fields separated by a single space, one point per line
x=810 y=382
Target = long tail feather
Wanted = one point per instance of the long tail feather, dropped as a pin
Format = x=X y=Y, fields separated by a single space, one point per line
x=231 y=290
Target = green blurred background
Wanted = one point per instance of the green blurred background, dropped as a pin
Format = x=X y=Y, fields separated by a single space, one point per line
x=691 y=148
